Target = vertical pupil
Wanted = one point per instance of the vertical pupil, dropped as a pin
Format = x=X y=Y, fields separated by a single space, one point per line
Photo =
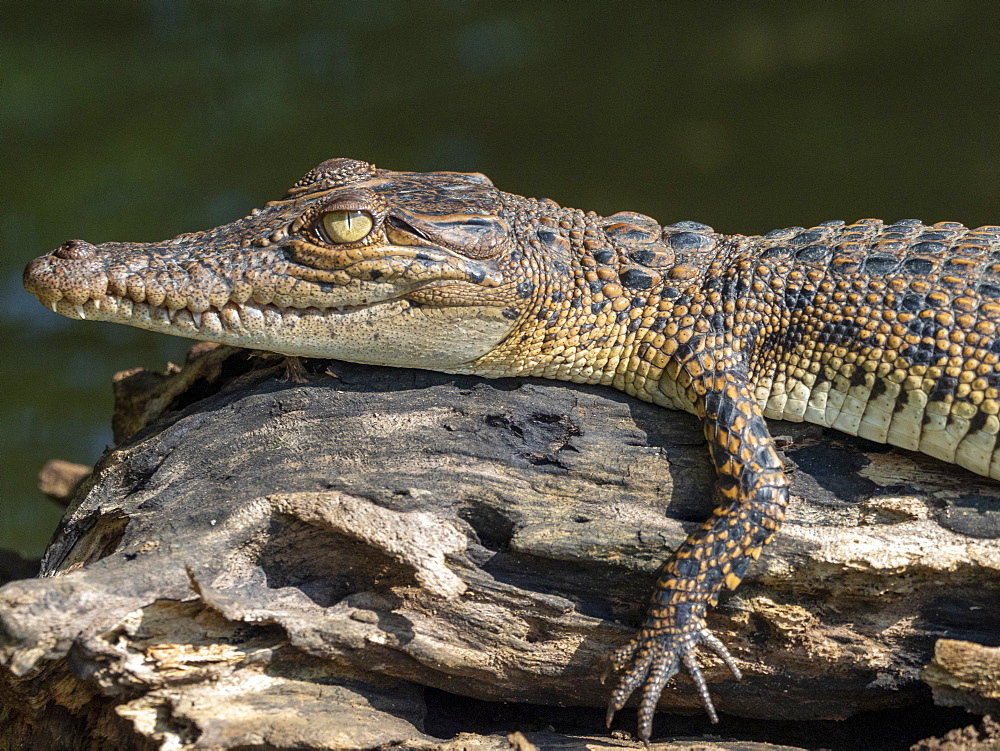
x=347 y=225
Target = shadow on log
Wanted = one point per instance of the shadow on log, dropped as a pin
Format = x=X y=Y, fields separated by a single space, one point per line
x=270 y=564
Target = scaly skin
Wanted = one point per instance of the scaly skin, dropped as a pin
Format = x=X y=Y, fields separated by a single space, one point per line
x=887 y=332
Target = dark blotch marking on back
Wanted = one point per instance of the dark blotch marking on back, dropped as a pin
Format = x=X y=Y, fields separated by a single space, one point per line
x=637 y=279
x=808 y=237
x=776 y=252
x=659 y=323
x=989 y=290
x=689 y=241
x=842 y=332
x=922 y=327
x=930 y=248
x=815 y=252
x=546 y=235
x=924 y=353
x=880 y=265
x=918 y=266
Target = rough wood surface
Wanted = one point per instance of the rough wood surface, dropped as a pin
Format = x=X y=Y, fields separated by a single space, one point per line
x=286 y=565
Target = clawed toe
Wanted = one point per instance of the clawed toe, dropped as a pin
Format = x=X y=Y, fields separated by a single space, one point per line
x=651 y=659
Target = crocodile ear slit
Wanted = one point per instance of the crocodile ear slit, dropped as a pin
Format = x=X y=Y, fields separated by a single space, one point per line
x=396 y=223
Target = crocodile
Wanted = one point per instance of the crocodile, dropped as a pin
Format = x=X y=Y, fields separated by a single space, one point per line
x=888 y=331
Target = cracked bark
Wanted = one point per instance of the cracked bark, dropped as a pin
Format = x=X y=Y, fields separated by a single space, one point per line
x=275 y=564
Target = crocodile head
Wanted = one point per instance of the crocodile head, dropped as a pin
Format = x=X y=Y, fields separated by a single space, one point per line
x=356 y=263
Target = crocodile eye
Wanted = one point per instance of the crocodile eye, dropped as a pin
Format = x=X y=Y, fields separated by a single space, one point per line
x=347 y=226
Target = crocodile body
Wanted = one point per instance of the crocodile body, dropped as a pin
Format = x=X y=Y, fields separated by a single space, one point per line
x=886 y=331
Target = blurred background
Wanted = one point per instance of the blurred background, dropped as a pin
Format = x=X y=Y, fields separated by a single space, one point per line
x=138 y=121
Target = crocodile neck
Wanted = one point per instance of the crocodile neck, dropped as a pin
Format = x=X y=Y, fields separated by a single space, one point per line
x=610 y=297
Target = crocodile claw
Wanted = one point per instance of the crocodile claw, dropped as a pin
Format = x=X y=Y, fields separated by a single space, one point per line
x=652 y=658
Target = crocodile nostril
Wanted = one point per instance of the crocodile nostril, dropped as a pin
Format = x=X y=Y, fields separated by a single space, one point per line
x=75 y=250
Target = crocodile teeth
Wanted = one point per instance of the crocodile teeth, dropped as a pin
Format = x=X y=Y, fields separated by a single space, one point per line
x=182 y=318
x=272 y=316
x=159 y=315
x=210 y=323
x=230 y=317
x=252 y=317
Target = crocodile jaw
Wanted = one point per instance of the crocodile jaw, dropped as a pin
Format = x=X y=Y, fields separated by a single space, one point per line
x=259 y=299
x=392 y=332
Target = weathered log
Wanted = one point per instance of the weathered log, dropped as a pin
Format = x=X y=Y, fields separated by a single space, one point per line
x=277 y=564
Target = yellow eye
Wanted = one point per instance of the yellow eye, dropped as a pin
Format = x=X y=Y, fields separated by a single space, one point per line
x=347 y=226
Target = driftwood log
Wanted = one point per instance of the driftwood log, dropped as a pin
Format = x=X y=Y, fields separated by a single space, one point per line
x=262 y=563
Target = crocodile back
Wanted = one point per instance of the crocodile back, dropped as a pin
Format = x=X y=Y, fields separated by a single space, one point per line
x=888 y=332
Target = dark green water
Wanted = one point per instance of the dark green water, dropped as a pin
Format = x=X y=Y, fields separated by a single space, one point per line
x=141 y=120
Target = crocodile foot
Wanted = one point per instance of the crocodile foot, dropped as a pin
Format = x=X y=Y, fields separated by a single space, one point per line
x=653 y=657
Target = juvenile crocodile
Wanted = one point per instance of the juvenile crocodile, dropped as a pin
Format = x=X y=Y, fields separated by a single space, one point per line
x=889 y=332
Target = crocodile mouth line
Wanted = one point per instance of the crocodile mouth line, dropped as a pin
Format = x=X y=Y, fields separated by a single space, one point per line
x=232 y=319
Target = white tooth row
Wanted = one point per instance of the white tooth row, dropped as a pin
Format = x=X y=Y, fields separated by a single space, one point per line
x=231 y=317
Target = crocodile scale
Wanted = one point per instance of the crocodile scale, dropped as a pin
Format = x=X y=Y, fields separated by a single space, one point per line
x=885 y=331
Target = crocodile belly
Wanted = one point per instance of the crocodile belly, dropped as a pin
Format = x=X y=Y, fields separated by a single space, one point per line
x=884 y=400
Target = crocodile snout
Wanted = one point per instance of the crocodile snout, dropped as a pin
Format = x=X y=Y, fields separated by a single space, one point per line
x=72 y=271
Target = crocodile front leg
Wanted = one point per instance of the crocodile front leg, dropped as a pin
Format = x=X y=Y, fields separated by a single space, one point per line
x=753 y=494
